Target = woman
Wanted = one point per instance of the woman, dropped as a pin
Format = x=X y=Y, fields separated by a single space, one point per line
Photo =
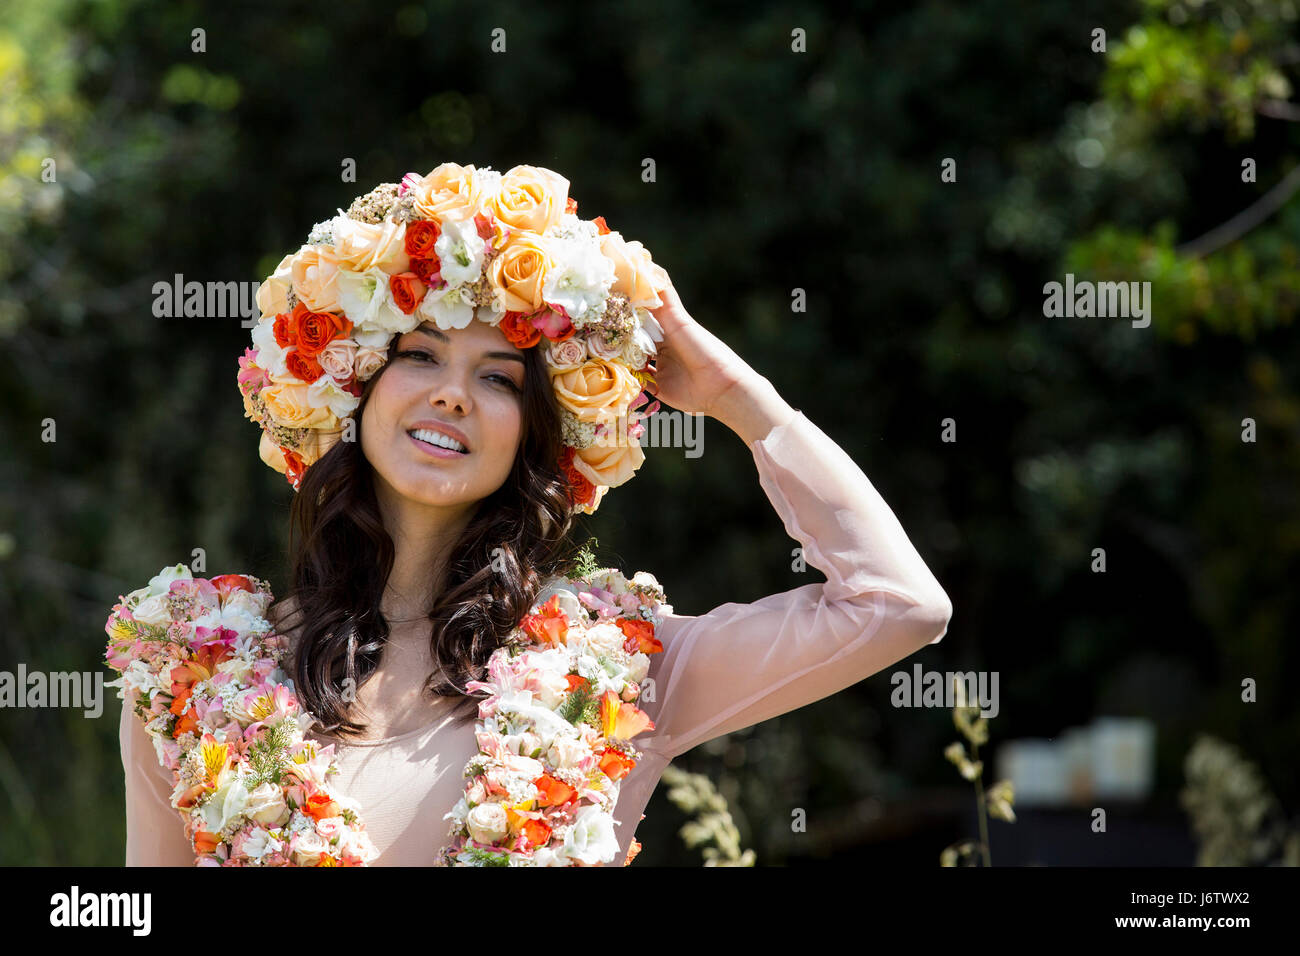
x=412 y=560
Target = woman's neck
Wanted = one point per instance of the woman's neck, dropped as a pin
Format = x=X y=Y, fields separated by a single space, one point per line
x=423 y=537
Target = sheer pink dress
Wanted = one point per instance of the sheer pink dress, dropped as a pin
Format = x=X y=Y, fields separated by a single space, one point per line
x=719 y=672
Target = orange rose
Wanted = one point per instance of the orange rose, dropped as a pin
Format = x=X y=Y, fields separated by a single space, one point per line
x=319 y=806
x=286 y=330
x=316 y=278
x=360 y=246
x=519 y=330
x=315 y=330
x=273 y=294
x=529 y=199
x=420 y=237
x=447 y=189
x=610 y=466
x=635 y=274
x=597 y=390
x=519 y=273
x=289 y=406
x=408 y=290
x=303 y=366
x=429 y=270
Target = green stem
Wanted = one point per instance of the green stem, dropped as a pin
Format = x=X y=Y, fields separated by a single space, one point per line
x=983 y=815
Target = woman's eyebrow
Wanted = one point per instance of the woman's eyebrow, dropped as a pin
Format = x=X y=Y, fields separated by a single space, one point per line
x=442 y=337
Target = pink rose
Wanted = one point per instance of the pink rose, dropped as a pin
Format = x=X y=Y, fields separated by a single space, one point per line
x=599 y=346
x=368 y=362
x=337 y=359
x=568 y=354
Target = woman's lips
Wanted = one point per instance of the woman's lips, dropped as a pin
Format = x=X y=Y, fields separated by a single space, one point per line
x=436 y=451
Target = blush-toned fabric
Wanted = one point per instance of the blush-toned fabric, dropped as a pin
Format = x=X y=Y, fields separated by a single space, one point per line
x=719 y=672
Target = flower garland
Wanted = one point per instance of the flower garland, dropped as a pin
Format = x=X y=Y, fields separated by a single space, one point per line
x=554 y=733
x=449 y=247
x=223 y=717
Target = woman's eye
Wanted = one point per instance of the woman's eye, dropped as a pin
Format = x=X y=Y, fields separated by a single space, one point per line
x=424 y=356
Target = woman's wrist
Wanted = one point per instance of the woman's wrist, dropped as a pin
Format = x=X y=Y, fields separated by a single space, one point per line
x=752 y=408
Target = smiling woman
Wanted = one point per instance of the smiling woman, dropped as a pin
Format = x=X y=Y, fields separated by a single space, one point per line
x=381 y=524
x=492 y=351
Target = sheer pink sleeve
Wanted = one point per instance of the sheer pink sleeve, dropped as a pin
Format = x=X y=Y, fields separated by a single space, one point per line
x=740 y=664
x=155 y=834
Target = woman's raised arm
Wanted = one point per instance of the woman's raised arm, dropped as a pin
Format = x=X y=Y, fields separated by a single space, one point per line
x=740 y=664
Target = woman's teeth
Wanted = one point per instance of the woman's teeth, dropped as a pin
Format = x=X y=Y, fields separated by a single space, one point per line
x=437 y=438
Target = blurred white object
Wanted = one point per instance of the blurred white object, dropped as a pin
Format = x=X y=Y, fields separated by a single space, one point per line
x=1035 y=770
x=1123 y=757
x=1112 y=758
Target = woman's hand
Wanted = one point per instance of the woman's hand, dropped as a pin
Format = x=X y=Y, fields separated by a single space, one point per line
x=695 y=371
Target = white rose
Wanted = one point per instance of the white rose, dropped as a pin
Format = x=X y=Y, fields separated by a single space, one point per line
x=246 y=602
x=566 y=753
x=259 y=843
x=487 y=822
x=266 y=806
x=605 y=638
x=591 y=839
x=308 y=849
x=638 y=667
x=152 y=610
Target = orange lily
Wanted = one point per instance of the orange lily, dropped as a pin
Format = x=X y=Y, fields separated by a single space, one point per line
x=621 y=720
x=549 y=626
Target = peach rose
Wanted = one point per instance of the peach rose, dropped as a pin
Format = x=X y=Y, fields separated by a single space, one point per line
x=447 y=189
x=289 y=406
x=609 y=466
x=273 y=294
x=272 y=454
x=359 y=246
x=369 y=361
x=530 y=199
x=315 y=278
x=519 y=272
x=595 y=391
x=317 y=442
x=338 y=358
x=635 y=274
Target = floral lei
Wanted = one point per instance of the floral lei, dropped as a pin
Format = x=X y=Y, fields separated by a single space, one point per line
x=554 y=735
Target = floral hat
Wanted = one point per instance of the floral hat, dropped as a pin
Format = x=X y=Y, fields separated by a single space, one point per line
x=450 y=247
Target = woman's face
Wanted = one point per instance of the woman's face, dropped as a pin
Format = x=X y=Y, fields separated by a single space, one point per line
x=470 y=380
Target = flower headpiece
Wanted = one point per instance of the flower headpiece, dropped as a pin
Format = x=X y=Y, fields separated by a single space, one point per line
x=450 y=247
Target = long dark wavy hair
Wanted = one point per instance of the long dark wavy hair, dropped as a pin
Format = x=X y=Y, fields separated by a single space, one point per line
x=342 y=555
